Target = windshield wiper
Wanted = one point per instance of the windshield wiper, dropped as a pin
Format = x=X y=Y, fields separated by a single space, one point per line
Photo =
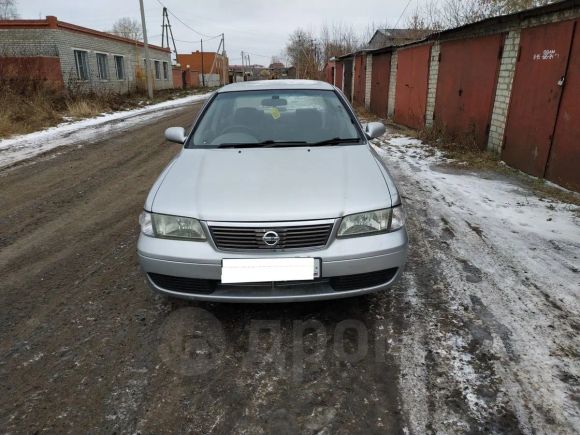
x=336 y=141
x=239 y=145
x=264 y=144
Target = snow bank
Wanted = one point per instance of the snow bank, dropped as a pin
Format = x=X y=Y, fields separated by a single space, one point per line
x=88 y=130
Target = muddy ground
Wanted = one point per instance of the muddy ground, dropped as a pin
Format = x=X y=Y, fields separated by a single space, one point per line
x=85 y=346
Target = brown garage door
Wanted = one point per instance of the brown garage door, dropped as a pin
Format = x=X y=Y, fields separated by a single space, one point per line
x=412 y=76
x=466 y=85
x=564 y=160
x=536 y=96
x=359 y=80
x=380 y=75
x=338 y=74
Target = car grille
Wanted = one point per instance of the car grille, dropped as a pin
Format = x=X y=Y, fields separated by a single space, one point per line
x=184 y=285
x=362 y=280
x=290 y=237
x=208 y=286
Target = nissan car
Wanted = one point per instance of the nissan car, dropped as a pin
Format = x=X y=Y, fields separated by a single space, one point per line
x=277 y=195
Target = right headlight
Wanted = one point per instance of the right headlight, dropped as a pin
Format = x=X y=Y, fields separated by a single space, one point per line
x=170 y=227
x=372 y=222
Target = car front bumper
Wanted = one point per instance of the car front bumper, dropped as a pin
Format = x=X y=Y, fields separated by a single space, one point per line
x=373 y=262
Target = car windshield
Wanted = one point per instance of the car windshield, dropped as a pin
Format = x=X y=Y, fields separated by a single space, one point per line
x=275 y=117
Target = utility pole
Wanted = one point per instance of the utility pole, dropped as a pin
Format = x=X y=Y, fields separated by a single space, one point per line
x=224 y=62
x=202 y=71
x=243 y=68
x=146 y=49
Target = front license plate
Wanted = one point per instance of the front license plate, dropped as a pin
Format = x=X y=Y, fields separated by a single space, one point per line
x=269 y=269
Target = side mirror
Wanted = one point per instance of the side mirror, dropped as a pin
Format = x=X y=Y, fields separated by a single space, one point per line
x=175 y=134
x=374 y=129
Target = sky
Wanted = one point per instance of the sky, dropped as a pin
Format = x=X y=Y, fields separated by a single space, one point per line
x=258 y=27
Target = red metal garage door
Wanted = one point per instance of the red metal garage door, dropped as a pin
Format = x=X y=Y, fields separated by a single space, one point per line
x=466 y=85
x=380 y=75
x=359 y=80
x=536 y=96
x=564 y=161
x=411 y=96
x=339 y=71
x=348 y=78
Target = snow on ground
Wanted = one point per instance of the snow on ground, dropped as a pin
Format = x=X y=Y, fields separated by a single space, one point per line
x=88 y=130
x=511 y=261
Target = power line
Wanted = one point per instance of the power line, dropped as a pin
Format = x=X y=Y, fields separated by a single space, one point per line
x=258 y=55
x=401 y=16
x=187 y=25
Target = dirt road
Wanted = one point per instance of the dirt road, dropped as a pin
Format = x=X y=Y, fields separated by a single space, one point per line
x=85 y=346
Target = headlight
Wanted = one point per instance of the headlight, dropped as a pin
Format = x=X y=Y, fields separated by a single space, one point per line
x=171 y=227
x=378 y=221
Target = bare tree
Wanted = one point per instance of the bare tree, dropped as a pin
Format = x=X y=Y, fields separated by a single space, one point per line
x=8 y=10
x=453 y=13
x=303 y=51
x=128 y=28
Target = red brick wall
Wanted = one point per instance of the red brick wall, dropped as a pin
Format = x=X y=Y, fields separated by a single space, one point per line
x=35 y=68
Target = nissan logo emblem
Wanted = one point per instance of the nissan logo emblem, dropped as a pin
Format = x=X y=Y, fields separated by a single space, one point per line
x=271 y=238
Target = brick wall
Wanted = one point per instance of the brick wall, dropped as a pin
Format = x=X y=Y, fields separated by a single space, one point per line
x=392 y=86
x=432 y=84
x=27 y=42
x=504 y=86
x=37 y=68
x=368 y=81
x=133 y=59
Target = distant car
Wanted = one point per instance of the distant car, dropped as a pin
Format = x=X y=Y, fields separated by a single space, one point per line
x=276 y=196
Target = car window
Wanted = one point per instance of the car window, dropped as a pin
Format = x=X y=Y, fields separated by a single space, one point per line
x=278 y=116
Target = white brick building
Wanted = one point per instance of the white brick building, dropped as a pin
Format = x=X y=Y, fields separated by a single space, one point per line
x=88 y=59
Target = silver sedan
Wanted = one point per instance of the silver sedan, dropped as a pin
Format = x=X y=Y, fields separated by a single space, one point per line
x=276 y=196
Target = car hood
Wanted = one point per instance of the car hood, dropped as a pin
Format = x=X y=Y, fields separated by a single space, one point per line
x=271 y=184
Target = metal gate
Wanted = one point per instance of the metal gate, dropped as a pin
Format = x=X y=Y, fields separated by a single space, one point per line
x=348 y=78
x=564 y=160
x=338 y=75
x=380 y=76
x=466 y=84
x=535 y=96
x=359 y=80
x=412 y=77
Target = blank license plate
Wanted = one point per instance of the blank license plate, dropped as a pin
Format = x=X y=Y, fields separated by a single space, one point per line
x=269 y=269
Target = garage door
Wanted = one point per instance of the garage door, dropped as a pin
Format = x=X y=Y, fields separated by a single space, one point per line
x=536 y=96
x=348 y=78
x=380 y=75
x=339 y=71
x=411 y=94
x=466 y=85
x=564 y=161
x=360 y=80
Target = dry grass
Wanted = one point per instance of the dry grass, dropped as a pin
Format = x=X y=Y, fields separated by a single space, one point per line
x=28 y=105
x=84 y=108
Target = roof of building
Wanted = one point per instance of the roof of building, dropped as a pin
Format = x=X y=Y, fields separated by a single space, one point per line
x=52 y=22
x=270 y=85
x=498 y=20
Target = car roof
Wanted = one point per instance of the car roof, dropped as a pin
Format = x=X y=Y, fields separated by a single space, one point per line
x=272 y=85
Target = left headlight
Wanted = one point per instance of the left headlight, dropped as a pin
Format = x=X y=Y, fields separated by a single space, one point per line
x=372 y=222
x=170 y=227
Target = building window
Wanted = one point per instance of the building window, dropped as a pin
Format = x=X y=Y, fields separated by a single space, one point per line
x=82 y=64
x=102 y=66
x=157 y=70
x=165 y=70
x=120 y=67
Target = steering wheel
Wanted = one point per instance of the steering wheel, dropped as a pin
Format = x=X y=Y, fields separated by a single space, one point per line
x=240 y=129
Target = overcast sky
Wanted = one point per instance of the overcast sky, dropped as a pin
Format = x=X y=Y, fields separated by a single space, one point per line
x=259 y=27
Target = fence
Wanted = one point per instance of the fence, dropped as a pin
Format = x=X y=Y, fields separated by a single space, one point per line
x=508 y=84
